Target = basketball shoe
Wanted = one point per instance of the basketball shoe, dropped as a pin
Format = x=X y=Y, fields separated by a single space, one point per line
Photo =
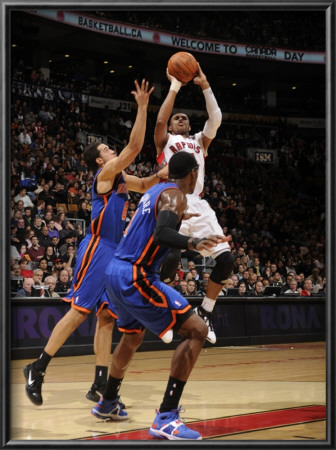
x=96 y=391
x=207 y=317
x=34 y=380
x=109 y=409
x=168 y=425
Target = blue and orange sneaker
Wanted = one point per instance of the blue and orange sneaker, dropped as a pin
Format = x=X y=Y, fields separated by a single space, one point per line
x=109 y=409
x=168 y=425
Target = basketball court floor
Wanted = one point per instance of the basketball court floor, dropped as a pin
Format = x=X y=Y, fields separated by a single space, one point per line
x=265 y=392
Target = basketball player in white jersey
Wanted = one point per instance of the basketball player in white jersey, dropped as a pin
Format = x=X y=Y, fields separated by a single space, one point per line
x=172 y=136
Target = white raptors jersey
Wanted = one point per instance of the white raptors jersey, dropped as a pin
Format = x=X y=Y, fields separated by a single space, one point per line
x=192 y=144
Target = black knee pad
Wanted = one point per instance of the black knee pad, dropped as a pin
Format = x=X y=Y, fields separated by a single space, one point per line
x=169 y=265
x=223 y=267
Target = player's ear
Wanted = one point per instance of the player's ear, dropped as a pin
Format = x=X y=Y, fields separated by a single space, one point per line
x=99 y=161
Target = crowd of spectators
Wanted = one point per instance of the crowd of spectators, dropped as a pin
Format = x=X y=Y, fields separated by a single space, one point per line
x=281 y=29
x=275 y=213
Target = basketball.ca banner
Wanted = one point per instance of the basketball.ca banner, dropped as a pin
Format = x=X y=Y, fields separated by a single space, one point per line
x=179 y=42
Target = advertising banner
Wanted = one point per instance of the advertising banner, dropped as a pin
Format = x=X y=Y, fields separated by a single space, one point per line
x=179 y=42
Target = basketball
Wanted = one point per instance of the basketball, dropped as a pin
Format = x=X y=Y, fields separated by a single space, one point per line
x=183 y=66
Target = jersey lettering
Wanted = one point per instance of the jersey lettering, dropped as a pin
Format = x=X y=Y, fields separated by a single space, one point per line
x=124 y=213
x=181 y=145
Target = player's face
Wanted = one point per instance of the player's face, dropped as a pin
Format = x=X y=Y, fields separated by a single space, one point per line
x=179 y=124
x=106 y=153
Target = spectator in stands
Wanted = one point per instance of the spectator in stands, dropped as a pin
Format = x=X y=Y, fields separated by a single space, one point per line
x=38 y=286
x=319 y=287
x=316 y=278
x=276 y=279
x=55 y=244
x=245 y=279
x=16 y=278
x=307 y=265
x=19 y=206
x=242 y=291
x=191 y=288
x=300 y=277
x=52 y=231
x=26 y=290
x=307 y=287
x=256 y=265
x=36 y=251
x=240 y=273
x=50 y=281
x=228 y=285
x=60 y=221
x=40 y=209
x=293 y=288
x=22 y=195
x=190 y=265
x=57 y=268
x=289 y=278
x=50 y=209
x=180 y=271
x=203 y=288
x=258 y=290
x=84 y=214
x=195 y=277
x=28 y=216
x=47 y=196
x=23 y=252
x=181 y=287
x=69 y=259
x=24 y=137
x=44 y=240
x=37 y=226
x=235 y=280
x=289 y=265
x=251 y=282
x=73 y=192
x=43 y=265
x=64 y=283
x=25 y=272
x=50 y=257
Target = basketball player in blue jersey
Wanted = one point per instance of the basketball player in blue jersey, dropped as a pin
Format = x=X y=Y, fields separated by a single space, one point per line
x=170 y=137
x=143 y=301
x=109 y=211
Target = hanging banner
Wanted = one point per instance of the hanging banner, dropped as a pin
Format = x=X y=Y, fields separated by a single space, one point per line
x=179 y=42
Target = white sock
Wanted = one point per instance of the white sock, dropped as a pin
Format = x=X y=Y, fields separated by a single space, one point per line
x=208 y=304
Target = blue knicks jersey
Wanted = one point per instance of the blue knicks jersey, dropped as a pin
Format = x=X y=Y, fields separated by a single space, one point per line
x=109 y=211
x=137 y=245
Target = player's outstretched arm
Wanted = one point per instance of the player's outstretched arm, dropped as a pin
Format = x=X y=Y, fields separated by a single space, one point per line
x=160 y=131
x=137 y=136
x=142 y=185
x=214 y=113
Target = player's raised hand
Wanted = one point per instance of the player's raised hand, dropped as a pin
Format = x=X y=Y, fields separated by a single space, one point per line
x=171 y=78
x=141 y=94
x=201 y=79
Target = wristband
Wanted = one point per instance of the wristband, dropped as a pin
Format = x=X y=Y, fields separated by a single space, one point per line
x=195 y=242
x=175 y=86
